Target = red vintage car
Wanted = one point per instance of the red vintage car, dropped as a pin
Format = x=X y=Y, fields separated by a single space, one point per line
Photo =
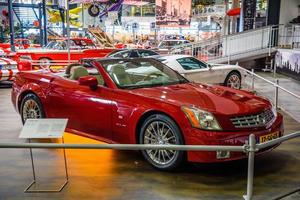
x=9 y=68
x=20 y=43
x=56 y=52
x=143 y=101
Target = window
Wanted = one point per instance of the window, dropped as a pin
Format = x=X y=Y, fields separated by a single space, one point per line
x=140 y=73
x=191 y=63
x=144 y=53
x=122 y=54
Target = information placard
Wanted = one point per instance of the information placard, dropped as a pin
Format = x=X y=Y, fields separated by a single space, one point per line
x=43 y=128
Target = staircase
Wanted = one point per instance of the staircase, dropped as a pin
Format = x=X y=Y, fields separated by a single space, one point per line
x=26 y=16
x=242 y=46
x=53 y=33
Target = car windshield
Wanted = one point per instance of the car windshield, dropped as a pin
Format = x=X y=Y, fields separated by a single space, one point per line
x=59 y=45
x=141 y=73
x=171 y=43
x=74 y=44
x=190 y=63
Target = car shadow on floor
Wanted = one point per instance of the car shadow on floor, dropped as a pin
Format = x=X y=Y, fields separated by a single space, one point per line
x=5 y=85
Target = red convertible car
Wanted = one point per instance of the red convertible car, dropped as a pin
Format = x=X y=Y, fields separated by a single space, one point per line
x=19 y=44
x=143 y=101
x=56 y=51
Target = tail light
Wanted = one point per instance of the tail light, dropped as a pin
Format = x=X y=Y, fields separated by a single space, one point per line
x=24 y=65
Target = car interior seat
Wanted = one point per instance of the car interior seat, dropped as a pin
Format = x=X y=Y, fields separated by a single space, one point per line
x=77 y=72
x=99 y=79
x=120 y=76
x=134 y=54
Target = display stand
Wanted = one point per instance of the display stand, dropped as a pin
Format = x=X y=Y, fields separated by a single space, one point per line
x=54 y=130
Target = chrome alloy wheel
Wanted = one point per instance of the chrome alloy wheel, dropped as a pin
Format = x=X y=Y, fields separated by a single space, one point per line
x=160 y=133
x=31 y=110
x=234 y=81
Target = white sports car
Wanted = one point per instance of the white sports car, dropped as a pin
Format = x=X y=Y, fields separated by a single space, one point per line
x=199 y=71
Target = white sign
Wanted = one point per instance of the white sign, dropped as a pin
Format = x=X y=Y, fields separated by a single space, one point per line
x=112 y=15
x=44 y=128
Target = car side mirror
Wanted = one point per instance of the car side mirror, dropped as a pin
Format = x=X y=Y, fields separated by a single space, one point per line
x=90 y=81
x=209 y=66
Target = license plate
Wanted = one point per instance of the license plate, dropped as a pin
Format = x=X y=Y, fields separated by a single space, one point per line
x=268 y=137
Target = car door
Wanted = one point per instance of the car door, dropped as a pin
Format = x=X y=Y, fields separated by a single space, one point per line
x=198 y=71
x=88 y=111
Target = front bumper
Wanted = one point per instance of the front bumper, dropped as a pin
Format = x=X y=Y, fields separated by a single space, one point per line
x=200 y=137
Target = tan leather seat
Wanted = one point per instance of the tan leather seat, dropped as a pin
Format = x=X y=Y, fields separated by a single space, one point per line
x=99 y=79
x=120 y=76
x=77 y=72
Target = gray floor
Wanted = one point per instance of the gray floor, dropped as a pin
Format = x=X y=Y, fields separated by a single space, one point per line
x=287 y=102
x=117 y=175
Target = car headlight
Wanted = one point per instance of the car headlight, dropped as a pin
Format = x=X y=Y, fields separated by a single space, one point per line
x=274 y=110
x=200 y=118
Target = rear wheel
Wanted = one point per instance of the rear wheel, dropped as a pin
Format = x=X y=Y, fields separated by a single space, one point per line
x=31 y=108
x=233 y=80
x=161 y=130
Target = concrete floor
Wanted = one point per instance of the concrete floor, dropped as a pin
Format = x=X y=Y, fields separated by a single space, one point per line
x=286 y=101
x=118 y=175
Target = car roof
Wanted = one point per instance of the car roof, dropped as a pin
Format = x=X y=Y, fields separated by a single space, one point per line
x=117 y=59
x=171 y=56
x=174 y=40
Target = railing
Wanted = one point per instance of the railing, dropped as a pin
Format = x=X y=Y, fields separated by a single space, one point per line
x=52 y=63
x=289 y=37
x=275 y=84
x=240 y=45
x=249 y=148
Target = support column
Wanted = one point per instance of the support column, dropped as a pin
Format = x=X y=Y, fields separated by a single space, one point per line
x=235 y=4
x=40 y=25
x=45 y=22
x=11 y=26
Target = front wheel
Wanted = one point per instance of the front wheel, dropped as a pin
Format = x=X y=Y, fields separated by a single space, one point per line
x=161 y=130
x=233 y=80
x=31 y=108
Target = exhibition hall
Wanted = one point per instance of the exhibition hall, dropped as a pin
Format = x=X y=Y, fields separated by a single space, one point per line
x=150 y=99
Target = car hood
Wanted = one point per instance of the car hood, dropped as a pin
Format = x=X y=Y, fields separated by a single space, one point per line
x=216 y=99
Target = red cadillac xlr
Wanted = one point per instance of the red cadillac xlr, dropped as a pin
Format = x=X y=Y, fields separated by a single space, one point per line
x=143 y=101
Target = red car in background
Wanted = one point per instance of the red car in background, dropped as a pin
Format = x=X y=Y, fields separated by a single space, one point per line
x=9 y=68
x=143 y=101
x=19 y=44
x=56 y=52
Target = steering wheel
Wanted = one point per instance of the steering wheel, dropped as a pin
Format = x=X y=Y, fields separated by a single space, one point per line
x=149 y=76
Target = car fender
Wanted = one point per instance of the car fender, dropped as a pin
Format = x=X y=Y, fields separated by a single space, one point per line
x=139 y=115
x=30 y=88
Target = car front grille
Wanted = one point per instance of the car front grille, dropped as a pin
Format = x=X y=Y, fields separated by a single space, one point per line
x=251 y=121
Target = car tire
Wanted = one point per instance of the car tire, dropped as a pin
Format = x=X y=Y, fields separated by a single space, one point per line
x=233 y=80
x=31 y=108
x=160 y=129
x=94 y=10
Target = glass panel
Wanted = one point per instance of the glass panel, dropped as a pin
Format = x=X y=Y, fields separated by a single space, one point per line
x=140 y=73
x=191 y=63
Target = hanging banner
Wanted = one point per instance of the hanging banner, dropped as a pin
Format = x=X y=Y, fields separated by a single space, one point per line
x=249 y=9
x=287 y=61
x=173 y=13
